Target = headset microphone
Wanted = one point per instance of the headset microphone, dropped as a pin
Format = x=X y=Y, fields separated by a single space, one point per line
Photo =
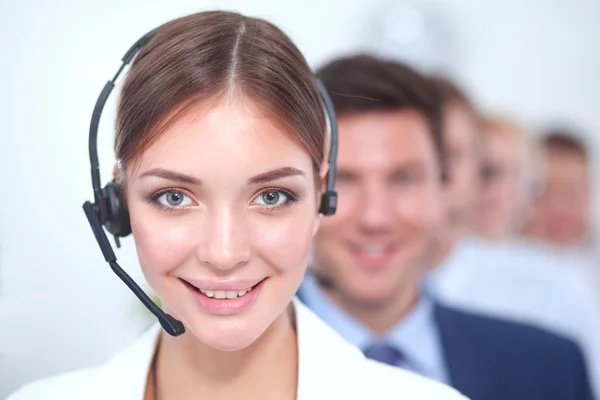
x=108 y=212
x=169 y=324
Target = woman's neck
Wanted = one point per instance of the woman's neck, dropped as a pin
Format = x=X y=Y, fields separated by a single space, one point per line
x=188 y=369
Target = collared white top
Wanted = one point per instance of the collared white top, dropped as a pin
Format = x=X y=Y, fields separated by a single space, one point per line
x=328 y=368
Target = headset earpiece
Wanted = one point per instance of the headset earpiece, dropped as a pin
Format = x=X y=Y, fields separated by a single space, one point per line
x=117 y=218
x=328 y=203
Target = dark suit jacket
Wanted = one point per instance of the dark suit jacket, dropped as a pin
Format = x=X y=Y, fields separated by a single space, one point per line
x=494 y=359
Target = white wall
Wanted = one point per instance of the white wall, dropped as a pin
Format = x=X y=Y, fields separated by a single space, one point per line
x=60 y=305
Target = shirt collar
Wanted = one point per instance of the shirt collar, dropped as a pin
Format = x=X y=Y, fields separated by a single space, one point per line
x=416 y=335
x=350 y=329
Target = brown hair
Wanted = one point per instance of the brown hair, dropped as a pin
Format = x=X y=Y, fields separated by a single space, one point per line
x=364 y=83
x=449 y=93
x=210 y=54
x=564 y=140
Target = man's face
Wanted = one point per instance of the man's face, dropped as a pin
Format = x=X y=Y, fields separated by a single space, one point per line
x=389 y=189
x=562 y=213
x=460 y=135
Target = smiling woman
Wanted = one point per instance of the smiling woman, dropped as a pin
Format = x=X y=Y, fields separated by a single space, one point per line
x=220 y=140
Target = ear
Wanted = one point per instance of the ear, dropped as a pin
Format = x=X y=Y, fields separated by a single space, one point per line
x=317 y=224
x=323 y=173
x=116 y=171
x=323 y=178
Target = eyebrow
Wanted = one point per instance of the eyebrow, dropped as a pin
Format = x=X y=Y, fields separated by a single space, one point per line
x=344 y=172
x=415 y=165
x=190 y=180
x=275 y=174
x=172 y=176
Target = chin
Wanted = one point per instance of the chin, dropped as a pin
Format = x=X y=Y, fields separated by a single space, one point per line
x=225 y=335
x=371 y=295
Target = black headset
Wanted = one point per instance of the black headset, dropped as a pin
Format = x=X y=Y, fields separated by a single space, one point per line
x=109 y=212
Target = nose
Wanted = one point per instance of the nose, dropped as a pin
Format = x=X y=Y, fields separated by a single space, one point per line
x=227 y=244
x=375 y=212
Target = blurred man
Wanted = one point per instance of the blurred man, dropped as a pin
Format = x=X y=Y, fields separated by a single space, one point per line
x=562 y=213
x=462 y=144
x=561 y=220
x=461 y=127
x=498 y=272
x=508 y=180
x=369 y=257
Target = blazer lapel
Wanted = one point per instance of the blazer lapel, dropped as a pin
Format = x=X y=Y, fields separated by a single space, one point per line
x=468 y=372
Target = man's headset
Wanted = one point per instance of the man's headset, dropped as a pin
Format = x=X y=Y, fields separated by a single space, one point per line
x=109 y=211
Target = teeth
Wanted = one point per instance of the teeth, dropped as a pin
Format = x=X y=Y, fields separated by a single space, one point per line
x=225 y=294
x=373 y=251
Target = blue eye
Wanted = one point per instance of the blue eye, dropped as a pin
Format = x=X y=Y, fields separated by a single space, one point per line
x=272 y=198
x=173 y=199
x=404 y=178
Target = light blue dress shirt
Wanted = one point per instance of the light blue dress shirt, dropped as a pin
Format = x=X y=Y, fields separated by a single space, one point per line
x=416 y=336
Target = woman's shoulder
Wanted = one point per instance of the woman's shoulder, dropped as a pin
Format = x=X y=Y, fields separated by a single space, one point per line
x=330 y=367
x=363 y=378
x=70 y=385
x=402 y=384
x=122 y=377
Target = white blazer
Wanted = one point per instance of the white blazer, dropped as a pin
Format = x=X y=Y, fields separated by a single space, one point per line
x=328 y=368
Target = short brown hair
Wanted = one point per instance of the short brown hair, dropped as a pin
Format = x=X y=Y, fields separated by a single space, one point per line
x=364 y=83
x=564 y=140
x=206 y=55
x=450 y=93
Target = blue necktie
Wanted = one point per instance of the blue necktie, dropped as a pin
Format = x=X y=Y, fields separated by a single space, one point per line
x=385 y=353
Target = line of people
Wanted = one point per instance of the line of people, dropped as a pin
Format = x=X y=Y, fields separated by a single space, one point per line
x=395 y=271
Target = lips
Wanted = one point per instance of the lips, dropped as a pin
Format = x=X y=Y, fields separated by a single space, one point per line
x=373 y=256
x=225 y=298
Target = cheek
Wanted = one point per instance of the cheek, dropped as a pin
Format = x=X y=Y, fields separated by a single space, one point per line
x=422 y=208
x=285 y=242
x=161 y=246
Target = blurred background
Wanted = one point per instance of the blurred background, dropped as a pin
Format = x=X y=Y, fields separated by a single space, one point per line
x=61 y=307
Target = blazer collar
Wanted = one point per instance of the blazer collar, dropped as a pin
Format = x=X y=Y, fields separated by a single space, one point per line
x=318 y=376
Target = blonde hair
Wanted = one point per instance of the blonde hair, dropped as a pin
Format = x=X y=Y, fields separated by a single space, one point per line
x=530 y=154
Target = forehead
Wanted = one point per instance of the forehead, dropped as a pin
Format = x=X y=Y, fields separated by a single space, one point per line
x=568 y=164
x=384 y=139
x=460 y=126
x=503 y=144
x=226 y=137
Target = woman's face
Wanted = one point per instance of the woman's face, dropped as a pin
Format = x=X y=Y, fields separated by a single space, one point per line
x=223 y=211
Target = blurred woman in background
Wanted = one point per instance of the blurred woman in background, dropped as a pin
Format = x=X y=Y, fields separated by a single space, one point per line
x=509 y=180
